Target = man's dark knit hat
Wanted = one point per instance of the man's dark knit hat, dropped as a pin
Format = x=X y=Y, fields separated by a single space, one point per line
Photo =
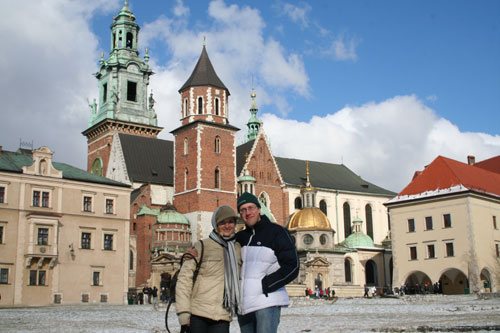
x=247 y=198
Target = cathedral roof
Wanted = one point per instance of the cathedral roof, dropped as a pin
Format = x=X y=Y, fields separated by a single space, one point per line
x=204 y=74
x=327 y=176
x=309 y=219
x=148 y=160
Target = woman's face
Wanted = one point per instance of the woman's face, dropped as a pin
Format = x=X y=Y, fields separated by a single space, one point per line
x=226 y=226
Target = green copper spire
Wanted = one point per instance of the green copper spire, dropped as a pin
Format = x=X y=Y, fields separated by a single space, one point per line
x=123 y=77
x=254 y=122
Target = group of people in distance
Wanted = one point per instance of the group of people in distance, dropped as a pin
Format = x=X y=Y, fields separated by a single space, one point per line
x=241 y=274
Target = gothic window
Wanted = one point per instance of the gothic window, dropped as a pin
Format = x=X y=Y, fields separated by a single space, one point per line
x=217 y=144
x=186 y=111
x=200 y=105
x=217 y=178
x=186 y=146
x=129 y=40
x=131 y=91
x=185 y=179
x=369 y=220
x=347 y=220
x=298 y=203
x=347 y=269
x=131 y=260
x=216 y=106
x=263 y=197
x=322 y=206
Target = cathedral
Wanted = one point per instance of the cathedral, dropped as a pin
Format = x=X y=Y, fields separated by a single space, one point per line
x=337 y=218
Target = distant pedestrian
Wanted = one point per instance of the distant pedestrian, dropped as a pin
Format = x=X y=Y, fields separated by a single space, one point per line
x=374 y=291
x=366 y=291
x=155 y=295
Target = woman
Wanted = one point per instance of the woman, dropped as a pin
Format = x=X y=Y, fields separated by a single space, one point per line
x=209 y=304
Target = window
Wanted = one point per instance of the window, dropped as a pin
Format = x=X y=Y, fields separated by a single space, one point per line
x=347 y=219
x=200 y=105
x=449 y=249
x=322 y=207
x=216 y=106
x=2 y=194
x=131 y=260
x=87 y=204
x=369 y=220
x=1 y=234
x=4 y=275
x=128 y=42
x=216 y=178
x=43 y=236
x=96 y=278
x=347 y=269
x=323 y=239
x=447 y=220
x=108 y=242
x=186 y=146
x=186 y=173
x=413 y=253
x=85 y=298
x=308 y=239
x=186 y=107
x=104 y=92
x=217 y=144
x=495 y=222
x=411 y=225
x=430 y=251
x=131 y=91
x=37 y=278
x=86 y=238
x=298 y=203
x=45 y=199
x=36 y=198
x=109 y=206
x=428 y=223
x=497 y=249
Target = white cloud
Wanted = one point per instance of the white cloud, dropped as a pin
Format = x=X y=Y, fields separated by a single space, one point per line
x=384 y=143
x=48 y=56
x=180 y=9
x=298 y=14
x=342 y=48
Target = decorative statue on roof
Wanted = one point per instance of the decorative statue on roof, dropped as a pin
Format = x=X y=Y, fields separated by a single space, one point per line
x=151 y=102
x=93 y=106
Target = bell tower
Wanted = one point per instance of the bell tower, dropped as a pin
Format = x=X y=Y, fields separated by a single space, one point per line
x=205 y=148
x=123 y=104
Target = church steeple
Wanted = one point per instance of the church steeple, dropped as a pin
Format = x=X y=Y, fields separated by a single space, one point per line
x=254 y=122
x=204 y=95
x=308 y=192
x=122 y=105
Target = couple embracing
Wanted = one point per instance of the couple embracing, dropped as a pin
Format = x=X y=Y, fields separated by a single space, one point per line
x=242 y=273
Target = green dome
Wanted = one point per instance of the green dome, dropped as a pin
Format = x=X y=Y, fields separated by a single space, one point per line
x=172 y=216
x=247 y=178
x=358 y=239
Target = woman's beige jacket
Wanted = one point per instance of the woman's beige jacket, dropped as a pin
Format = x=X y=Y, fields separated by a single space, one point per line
x=205 y=298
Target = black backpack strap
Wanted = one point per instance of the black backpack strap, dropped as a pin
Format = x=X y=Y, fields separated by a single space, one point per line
x=198 y=263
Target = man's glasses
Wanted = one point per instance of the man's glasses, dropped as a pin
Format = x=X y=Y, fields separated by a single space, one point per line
x=248 y=209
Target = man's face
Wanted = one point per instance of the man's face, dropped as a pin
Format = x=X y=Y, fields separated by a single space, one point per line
x=250 y=213
x=226 y=227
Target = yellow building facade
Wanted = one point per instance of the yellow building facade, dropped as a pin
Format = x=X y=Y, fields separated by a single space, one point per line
x=64 y=233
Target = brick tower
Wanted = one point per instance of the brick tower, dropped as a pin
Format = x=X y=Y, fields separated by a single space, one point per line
x=205 y=151
x=123 y=104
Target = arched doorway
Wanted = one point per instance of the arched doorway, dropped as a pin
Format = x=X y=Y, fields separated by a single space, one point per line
x=454 y=282
x=417 y=283
x=486 y=280
x=371 y=273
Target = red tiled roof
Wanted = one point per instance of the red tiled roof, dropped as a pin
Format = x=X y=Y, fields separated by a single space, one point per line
x=444 y=173
x=491 y=164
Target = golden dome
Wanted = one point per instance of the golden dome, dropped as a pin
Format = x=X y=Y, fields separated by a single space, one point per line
x=309 y=219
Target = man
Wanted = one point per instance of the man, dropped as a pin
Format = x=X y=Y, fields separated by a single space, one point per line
x=270 y=261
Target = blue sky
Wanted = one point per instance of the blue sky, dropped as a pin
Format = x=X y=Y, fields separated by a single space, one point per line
x=382 y=86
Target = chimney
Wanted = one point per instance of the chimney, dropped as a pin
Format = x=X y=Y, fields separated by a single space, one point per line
x=471 y=160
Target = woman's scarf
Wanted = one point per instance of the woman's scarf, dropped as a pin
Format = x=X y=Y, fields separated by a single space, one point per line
x=232 y=295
